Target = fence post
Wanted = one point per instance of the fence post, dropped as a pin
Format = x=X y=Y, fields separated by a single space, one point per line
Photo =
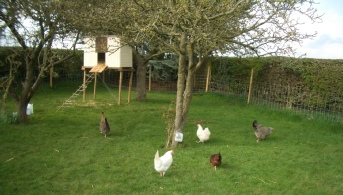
x=120 y=85
x=250 y=85
x=208 y=77
x=150 y=78
x=130 y=87
x=84 y=84
x=95 y=78
x=51 y=74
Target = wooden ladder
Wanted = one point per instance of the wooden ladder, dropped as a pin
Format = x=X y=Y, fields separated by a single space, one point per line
x=82 y=87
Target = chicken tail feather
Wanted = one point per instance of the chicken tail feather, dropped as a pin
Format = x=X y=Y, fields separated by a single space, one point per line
x=157 y=156
x=107 y=125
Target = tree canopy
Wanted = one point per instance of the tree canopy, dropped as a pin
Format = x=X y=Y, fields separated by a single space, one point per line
x=196 y=30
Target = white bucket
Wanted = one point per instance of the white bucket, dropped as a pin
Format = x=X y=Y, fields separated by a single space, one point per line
x=29 y=109
x=178 y=137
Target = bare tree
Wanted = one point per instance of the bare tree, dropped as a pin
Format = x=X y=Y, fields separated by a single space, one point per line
x=196 y=30
x=37 y=26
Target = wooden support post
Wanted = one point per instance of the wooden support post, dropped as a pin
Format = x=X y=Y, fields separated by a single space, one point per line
x=250 y=85
x=103 y=76
x=84 y=84
x=150 y=78
x=120 y=84
x=208 y=77
x=95 y=79
x=130 y=87
x=51 y=72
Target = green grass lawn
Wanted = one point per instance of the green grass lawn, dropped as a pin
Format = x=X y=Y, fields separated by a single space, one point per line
x=64 y=153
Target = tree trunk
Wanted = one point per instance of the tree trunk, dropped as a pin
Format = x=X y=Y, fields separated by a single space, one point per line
x=27 y=92
x=187 y=97
x=141 y=76
x=185 y=86
x=141 y=72
x=21 y=111
x=180 y=89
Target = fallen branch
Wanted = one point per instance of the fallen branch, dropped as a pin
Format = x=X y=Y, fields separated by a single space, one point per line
x=260 y=180
x=9 y=159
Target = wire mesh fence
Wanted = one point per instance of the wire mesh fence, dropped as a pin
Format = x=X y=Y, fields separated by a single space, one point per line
x=295 y=98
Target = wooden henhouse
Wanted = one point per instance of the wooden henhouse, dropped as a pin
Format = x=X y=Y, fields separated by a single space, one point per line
x=106 y=52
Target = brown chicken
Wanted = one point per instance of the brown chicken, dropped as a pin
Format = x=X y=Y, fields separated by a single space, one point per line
x=104 y=126
x=216 y=160
x=261 y=132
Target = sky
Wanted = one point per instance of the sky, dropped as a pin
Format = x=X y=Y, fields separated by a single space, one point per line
x=328 y=44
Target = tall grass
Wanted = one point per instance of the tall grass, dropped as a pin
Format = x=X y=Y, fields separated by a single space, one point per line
x=64 y=152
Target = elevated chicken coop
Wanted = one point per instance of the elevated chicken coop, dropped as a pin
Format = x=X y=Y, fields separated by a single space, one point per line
x=106 y=52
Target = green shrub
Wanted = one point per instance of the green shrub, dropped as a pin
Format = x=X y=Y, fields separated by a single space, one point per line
x=68 y=69
x=308 y=82
x=9 y=118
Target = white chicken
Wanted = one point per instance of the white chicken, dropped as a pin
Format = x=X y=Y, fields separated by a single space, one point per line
x=203 y=134
x=163 y=163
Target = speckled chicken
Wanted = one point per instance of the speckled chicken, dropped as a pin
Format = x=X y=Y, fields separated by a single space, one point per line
x=104 y=126
x=216 y=160
x=261 y=132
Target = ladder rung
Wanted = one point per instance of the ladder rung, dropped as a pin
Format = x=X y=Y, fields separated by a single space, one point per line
x=90 y=77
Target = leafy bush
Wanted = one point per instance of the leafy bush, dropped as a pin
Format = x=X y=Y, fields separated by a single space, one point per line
x=9 y=118
x=296 y=78
x=68 y=69
x=165 y=70
x=71 y=68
